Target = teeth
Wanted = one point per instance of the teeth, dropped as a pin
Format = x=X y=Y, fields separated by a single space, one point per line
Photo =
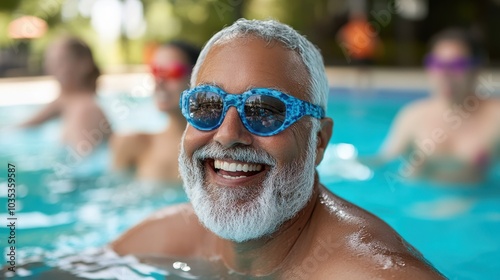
x=232 y=167
x=233 y=178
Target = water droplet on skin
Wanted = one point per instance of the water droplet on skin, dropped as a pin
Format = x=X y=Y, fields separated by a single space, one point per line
x=181 y=265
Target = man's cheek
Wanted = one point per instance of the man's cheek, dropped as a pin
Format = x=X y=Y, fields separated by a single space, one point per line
x=194 y=140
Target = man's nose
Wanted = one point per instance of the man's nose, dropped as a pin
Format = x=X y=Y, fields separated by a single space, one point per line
x=232 y=132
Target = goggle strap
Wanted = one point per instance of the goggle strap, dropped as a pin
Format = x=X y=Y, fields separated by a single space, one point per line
x=313 y=110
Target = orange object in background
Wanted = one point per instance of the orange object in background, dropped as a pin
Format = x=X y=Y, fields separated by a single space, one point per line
x=359 y=38
x=27 y=27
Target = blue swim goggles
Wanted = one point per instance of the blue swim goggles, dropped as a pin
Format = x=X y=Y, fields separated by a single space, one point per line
x=263 y=111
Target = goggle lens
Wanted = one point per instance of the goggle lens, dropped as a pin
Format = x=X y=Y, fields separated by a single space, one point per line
x=264 y=114
x=205 y=109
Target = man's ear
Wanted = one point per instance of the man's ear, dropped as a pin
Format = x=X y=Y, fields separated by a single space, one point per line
x=324 y=135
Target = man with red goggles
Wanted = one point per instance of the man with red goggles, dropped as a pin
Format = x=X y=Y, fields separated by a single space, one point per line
x=154 y=156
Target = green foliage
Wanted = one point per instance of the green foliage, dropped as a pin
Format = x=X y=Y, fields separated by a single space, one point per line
x=8 y=5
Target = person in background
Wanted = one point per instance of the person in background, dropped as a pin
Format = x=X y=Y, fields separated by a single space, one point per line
x=154 y=156
x=454 y=135
x=69 y=60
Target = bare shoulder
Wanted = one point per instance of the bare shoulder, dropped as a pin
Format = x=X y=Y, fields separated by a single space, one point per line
x=494 y=106
x=127 y=149
x=365 y=270
x=85 y=112
x=131 y=139
x=126 y=143
x=366 y=246
x=417 y=108
x=410 y=116
x=491 y=113
x=173 y=231
x=85 y=105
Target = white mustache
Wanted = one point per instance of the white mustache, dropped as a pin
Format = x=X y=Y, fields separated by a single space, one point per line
x=215 y=150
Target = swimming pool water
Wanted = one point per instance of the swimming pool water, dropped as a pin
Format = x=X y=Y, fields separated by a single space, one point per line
x=66 y=204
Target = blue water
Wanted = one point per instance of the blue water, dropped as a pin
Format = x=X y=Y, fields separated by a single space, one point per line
x=66 y=205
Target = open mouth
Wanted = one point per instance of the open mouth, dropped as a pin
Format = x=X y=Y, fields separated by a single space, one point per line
x=236 y=170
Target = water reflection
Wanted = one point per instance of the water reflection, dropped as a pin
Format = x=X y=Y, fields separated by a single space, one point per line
x=339 y=163
x=104 y=263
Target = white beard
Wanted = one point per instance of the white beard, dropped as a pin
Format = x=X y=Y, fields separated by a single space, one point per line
x=245 y=213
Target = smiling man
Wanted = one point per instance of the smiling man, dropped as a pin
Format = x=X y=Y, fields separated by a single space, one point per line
x=256 y=131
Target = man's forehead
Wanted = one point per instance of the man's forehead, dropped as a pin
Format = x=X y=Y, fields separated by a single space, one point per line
x=239 y=64
x=249 y=87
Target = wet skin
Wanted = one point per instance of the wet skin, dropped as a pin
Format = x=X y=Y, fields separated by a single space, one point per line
x=329 y=236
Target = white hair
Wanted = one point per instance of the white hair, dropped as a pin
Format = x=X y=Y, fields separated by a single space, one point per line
x=271 y=30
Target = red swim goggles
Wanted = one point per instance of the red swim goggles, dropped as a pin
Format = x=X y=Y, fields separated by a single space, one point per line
x=172 y=71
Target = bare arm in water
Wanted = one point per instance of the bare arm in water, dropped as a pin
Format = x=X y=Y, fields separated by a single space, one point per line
x=83 y=120
x=50 y=111
x=398 y=139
